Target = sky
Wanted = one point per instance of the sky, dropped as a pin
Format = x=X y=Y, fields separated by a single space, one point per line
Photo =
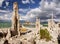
x=30 y=9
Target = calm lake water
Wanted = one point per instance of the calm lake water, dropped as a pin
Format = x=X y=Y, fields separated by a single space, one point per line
x=5 y=24
x=8 y=24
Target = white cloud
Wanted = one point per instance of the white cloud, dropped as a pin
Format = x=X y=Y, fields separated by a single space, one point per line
x=45 y=4
x=57 y=2
x=27 y=1
x=52 y=4
x=6 y=16
x=3 y=18
x=45 y=14
x=23 y=10
x=42 y=4
x=4 y=11
x=57 y=20
x=44 y=11
x=7 y=3
x=1 y=2
x=31 y=14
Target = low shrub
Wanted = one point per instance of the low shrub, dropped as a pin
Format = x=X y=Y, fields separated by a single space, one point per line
x=44 y=34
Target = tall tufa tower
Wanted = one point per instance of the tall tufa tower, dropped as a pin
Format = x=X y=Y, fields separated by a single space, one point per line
x=15 y=18
x=37 y=23
x=51 y=23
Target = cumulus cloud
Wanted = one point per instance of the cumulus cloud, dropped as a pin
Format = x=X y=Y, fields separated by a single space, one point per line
x=5 y=15
x=1 y=2
x=7 y=3
x=4 y=11
x=31 y=14
x=44 y=11
x=57 y=2
x=23 y=10
x=44 y=4
x=27 y=1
